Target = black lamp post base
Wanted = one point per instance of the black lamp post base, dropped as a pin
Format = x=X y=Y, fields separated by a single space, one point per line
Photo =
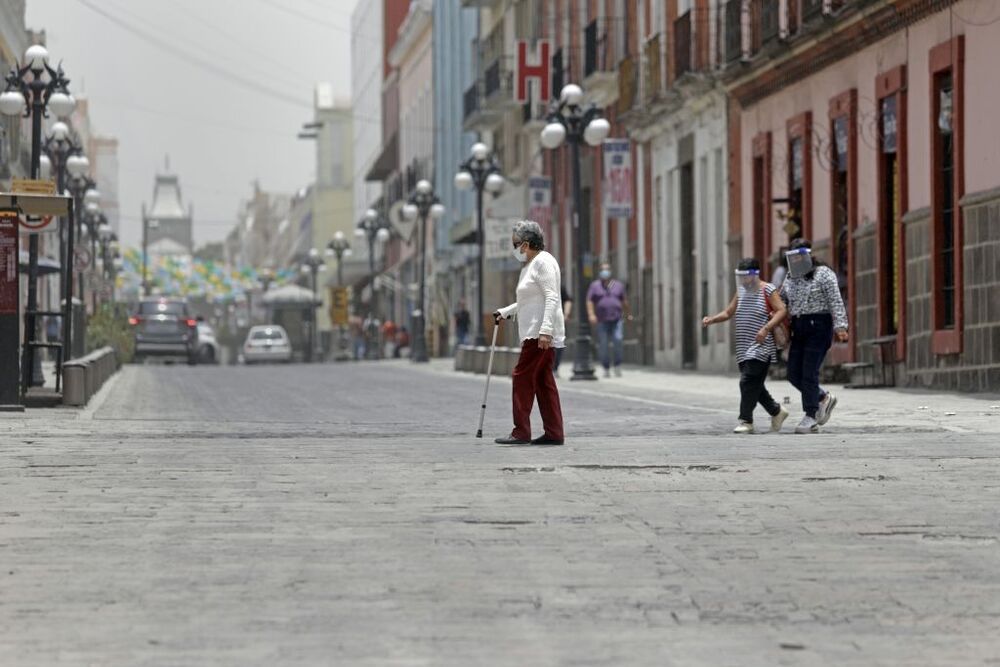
x=419 y=354
x=582 y=368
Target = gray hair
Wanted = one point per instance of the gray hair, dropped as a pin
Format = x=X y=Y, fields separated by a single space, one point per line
x=530 y=231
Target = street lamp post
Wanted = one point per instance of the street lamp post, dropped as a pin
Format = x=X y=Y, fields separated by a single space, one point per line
x=482 y=171
x=423 y=203
x=314 y=264
x=109 y=243
x=71 y=168
x=374 y=228
x=569 y=121
x=43 y=94
x=340 y=248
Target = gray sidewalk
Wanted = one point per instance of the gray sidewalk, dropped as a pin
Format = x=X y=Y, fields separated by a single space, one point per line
x=858 y=410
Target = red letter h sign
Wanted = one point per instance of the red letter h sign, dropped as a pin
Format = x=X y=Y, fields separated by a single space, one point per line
x=542 y=70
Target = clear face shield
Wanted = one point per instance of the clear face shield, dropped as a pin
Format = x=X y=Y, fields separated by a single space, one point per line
x=748 y=280
x=800 y=262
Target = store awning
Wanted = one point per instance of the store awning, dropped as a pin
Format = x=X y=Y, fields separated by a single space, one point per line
x=46 y=265
x=387 y=162
x=463 y=232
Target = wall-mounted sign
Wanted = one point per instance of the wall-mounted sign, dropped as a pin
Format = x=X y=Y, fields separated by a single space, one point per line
x=539 y=70
x=618 y=179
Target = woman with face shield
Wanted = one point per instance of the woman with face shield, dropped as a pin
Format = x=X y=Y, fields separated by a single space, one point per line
x=758 y=310
x=542 y=329
x=817 y=314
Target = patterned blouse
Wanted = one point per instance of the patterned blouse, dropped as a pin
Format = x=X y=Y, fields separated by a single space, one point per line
x=819 y=295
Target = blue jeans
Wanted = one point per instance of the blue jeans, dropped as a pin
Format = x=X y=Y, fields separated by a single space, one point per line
x=610 y=333
x=812 y=336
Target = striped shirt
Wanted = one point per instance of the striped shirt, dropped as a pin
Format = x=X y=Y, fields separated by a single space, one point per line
x=751 y=314
x=819 y=295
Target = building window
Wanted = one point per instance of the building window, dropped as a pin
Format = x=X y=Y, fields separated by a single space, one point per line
x=760 y=233
x=843 y=163
x=944 y=169
x=891 y=210
x=891 y=182
x=946 y=128
x=798 y=217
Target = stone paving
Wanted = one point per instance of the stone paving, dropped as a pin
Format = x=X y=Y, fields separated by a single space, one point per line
x=343 y=514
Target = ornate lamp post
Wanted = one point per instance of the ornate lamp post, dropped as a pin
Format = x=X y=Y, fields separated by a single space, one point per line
x=570 y=121
x=71 y=166
x=109 y=243
x=423 y=203
x=314 y=264
x=481 y=171
x=374 y=228
x=340 y=248
x=34 y=97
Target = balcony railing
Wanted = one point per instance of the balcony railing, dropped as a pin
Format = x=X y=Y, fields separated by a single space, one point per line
x=769 y=22
x=734 y=30
x=654 y=72
x=470 y=100
x=682 y=45
x=811 y=9
x=603 y=45
x=497 y=78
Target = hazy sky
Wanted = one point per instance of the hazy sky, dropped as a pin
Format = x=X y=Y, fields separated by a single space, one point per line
x=222 y=86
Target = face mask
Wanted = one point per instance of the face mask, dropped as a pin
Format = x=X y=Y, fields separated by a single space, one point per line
x=749 y=280
x=520 y=255
x=605 y=274
x=799 y=262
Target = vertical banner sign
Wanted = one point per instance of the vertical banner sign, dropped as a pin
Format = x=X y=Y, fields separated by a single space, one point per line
x=540 y=202
x=9 y=326
x=617 y=155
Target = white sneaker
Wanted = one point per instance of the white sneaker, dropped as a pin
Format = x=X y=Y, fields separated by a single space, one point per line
x=743 y=427
x=826 y=407
x=607 y=372
x=618 y=371
x=778 y=419
x=807 y=425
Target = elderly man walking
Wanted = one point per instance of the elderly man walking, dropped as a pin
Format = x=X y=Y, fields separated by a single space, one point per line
x=542 y=329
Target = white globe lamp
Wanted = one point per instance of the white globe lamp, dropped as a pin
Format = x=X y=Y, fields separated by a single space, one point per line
x=553 y=135
x=596 y=131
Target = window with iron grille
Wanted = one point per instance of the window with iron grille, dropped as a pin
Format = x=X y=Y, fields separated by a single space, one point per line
x=944 y=169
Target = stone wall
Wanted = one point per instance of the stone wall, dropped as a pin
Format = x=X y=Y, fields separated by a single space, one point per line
x=864 y=326
x=977 y=368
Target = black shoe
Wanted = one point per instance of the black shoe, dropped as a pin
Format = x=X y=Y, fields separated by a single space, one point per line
x=510 y=440
x=545 y=440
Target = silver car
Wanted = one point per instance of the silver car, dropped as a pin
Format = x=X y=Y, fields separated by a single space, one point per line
x=268 y=342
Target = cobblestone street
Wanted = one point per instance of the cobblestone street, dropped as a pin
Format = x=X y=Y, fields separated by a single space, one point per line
x=343 y=514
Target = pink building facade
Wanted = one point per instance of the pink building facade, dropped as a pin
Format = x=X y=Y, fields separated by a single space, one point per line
x=866 y=128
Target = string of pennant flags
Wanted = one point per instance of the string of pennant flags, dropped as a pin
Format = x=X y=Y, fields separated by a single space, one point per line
x=193 y=277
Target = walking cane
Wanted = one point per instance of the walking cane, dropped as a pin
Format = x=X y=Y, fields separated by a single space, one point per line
x=489 y=372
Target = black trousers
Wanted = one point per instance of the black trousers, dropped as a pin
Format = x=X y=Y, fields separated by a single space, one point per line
x=753 y=373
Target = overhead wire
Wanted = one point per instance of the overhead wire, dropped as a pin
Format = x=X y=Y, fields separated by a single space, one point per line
x=232 y=77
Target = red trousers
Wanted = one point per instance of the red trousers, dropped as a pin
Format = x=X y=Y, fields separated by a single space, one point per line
x=533 y=378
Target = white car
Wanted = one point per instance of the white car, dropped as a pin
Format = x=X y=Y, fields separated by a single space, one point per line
x=208 y=346
x=268 y=342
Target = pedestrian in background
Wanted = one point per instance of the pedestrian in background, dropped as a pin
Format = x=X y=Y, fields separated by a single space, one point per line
x=567 y=308
x=607 y=310
x=542 y=330
x=53 y=334
x=817 y=313
x=462 y=322
x=758 y=309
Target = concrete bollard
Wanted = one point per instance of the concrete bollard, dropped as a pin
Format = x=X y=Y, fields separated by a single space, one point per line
x=74 y=383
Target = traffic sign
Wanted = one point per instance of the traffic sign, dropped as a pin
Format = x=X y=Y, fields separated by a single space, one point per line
x=338 y=306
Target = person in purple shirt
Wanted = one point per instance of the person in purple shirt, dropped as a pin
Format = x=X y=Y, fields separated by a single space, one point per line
x=607 y=309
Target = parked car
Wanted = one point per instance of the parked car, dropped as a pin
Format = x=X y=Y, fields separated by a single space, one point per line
x=208 y=346
x=267 y=342
x=165 y=327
